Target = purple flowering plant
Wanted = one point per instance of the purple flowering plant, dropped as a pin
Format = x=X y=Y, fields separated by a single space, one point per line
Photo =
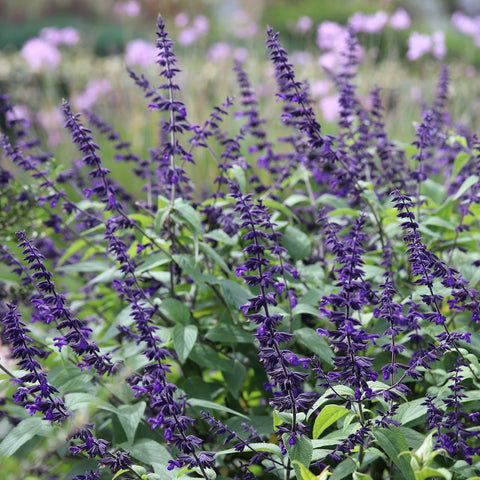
x=314 y=315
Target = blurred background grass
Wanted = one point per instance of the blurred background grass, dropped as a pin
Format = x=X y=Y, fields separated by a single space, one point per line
x=103 y=36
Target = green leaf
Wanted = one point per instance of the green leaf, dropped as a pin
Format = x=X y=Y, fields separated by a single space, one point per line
x=274 y=205
x=428 y=472
x=220 y=236
x=469 y=182
x=198 y=402
x=328 y=416
x=73 y=248
x=175 y=310
x=309 y=338
x=152 y=261
x=234 y=379
x=300 y=452
x=208 y=357
x=305 y=473
x=411 y=412
x=184 y=338
x=86 y=267
x=228 y=333
x=234 y=294
x=339 y=390
x=238 y=173
x=434 y=191
x=213 y=255
x=296 y=242
x=22 y=433
x=130 y=417
x=190 y=215
x=392 y=442
x=81 y=401
x=460 y=161
x=69 y=379
x=188 y=264
x=361 y=476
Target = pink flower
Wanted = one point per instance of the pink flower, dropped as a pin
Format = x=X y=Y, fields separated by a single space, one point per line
x=400 y=20
x=465 y=24
x=93 y=91
x=418 y=45
x=19 y=113
x=319 y=88
x=140 y=52
x=439 y=49
x=187 y=36
x=304 y=24
x=59 y=36
x=52 y=121
x=331 y=36
x=191 y=33
x=201 y=24
x=40 y=54
x=131 y=8
x=244 y=26
x=181 y=20
x=218 y=51
x=330 y=108
x=369 y=23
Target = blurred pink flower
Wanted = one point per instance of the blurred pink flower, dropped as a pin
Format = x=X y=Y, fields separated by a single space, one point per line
x=368 y=23
x=181 y=20
x=300 y=57
x=52 y=122
x=439 y=49
x=191 y=33
x=140 y=52
x=330 y=60
x=319 y=88
x=60 y=36
x=400 y=20
x=20 y=114
x=331 y=36
x=418 y=45
x=187 y=36
x=201 y=24
x=330 y=108
x=93 y=91
x=130 y=8
x=243 y=25
x=304 y=24
x=466 y=24
x=218 y=51
x=40 y=54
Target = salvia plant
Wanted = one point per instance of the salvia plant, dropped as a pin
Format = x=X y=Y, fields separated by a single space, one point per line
x=316 y=315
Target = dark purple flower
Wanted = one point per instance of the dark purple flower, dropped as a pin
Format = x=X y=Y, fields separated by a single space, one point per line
x=33 y=384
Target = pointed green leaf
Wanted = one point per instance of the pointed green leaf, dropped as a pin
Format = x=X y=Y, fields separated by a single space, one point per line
x=234 y=379
x=190 y=216
x=301 y=452
x=22 y=433
x=297 y=243
x=130 y=417
x=429 y=472
x=175 y=310
x=460 y=161
x=328 y=416
x=184 y=338
x=392 y=442
x=197 y=402
x=228 y=333
x=305 y=473
x=213 y=255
